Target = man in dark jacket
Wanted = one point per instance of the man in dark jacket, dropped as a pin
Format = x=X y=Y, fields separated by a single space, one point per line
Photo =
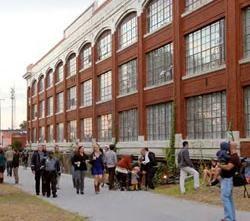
x=148 y=165
x=186 y=167
x=15 y=165
x=37 y=167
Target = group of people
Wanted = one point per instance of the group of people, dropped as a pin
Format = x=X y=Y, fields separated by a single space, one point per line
x=222 y=171
x=9 y=160
x=124 y=172
x=47 y=168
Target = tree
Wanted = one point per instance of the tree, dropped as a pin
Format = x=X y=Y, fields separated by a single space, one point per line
x=23 y=125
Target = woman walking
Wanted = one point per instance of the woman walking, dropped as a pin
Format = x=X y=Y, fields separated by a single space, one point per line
x=2 y=165
x=80 y=167
x=97 y=167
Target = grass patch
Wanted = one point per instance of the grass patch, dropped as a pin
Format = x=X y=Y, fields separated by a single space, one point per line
x=209 y=195
x=18 y=206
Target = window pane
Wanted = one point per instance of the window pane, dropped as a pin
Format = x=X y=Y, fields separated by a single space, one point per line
x=159 y=121
x=71 y=66
x=59 y=102
x=105 y=86
x=159 y=13
x=247 y=33
x=192 y=4
x=104 y=46
x=128 y=125
x=206 y=116
x=105 y=128
x=205 y=48
x=86 y=130
x=128 y=77
x=59 y=73
x=71 y=98
x=86 y=56
x=72 y=136
x=86 y=93
x=160 y=65
x=60 y=132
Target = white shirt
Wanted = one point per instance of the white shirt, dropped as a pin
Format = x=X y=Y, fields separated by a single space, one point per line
x=146 y=159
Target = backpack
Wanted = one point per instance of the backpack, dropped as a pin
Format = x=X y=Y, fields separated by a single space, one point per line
x=239 y=178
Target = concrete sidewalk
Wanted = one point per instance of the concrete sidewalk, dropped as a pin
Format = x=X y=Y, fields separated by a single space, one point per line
x=124 y=206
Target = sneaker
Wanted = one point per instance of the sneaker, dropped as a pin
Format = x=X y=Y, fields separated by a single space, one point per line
x=54 y=195
x=215 y=182
x=82 y=192
x=77 y=192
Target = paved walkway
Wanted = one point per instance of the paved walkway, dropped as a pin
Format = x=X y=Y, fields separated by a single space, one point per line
x=126 y=206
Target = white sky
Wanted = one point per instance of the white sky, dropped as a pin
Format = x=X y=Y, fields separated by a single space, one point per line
x=28 y=29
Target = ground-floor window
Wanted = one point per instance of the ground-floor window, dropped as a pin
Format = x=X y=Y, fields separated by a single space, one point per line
x=105 y=128
x=128 y=125
x=86 y=130
x=247 y=110
x=72 y=136
x=50 y=134
x=34 y=137
x=159 y=121
x=206 y=116
x=60 y=133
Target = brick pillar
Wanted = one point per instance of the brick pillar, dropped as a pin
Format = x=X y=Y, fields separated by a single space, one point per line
x=179 y=67
x=78 y=97
x=115 y=80
x=54 y=105
x=37 y=113
x=65 y=102
x=45 y=119
x=232 y=30
x=94 y=92
x=141 y=64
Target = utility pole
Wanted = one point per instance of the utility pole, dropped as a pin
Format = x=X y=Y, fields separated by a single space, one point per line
x=13 y=107
x=1 y=121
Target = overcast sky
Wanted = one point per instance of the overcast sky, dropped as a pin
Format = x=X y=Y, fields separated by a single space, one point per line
x=28 y=29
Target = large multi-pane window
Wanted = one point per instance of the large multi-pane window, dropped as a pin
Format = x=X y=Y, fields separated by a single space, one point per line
x=86 y=130
x=128 y=125
x=247 y=32
x=159 y=13
x=59 y=73
x=41 y=134
x=49 y=79
x=50 y=106
x=160 y=65
x=206 y=116
x=59 y=102
x=34 y=112
x=72 y=136
x=41 y=84
x=205 y=48
x=41 y=109
x=159 y=121
x=60 y=133
x=105 y=86
x=193 y=4
x=128 y=77
x=104 y=45
x=50 y=134
x=71 y=98
x=105 y=128
x=128 y=31
x=86 y=93
x=247 y=110
x=71 y=65
x=34 y=135
x=86 y=56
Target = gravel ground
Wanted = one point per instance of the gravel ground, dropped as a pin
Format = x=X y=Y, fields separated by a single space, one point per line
x=124 y=206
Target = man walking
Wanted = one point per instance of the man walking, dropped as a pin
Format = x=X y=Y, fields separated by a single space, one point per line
x=9 y=159
x=59 y=156
x=227 y=172
x=16 y=165
x=37 y=167
x=51 y=171
x=110 y=161
x=186 y=167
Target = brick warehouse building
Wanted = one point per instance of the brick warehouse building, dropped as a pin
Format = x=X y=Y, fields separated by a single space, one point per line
x=122 y=64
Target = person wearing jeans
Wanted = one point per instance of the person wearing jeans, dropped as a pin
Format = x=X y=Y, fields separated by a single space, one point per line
x=227 y=172
x=186 y=167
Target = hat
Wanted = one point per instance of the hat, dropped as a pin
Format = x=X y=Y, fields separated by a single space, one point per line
x=225 y=146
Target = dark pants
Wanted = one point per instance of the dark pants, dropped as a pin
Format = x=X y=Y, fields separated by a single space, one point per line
x=122 y=179
x=39 y=175
x=50 y=177
x=111 y=172
x=9 y=168
x=150 y=172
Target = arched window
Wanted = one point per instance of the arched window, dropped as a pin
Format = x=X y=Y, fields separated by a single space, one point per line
x=71 y=65
x=159 y=12
x=104 y=45
x=33 y=88
x=128 y=30
x=49 y=79
x=59 y=72
x=41 y=84
x=86 y=56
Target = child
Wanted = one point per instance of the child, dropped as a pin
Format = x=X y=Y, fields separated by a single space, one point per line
x=135 y=177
